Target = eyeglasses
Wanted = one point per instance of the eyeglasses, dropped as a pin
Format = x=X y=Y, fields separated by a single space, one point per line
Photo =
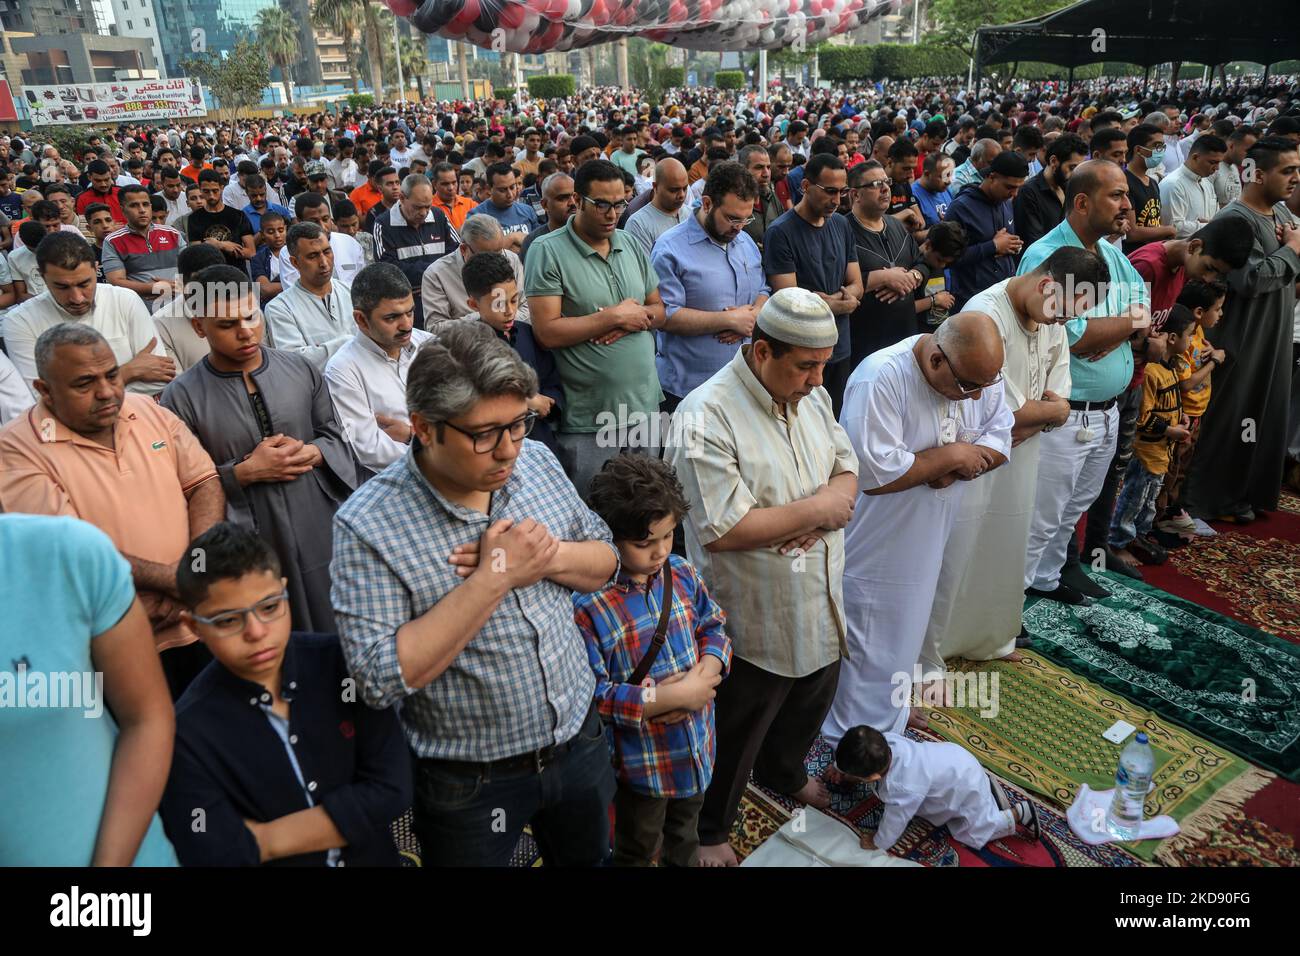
x=607 y=207
x=878 y=184
x=488 y=439
x=967 y=388
x=737 y=223
x=232 y=623
x=831 y=190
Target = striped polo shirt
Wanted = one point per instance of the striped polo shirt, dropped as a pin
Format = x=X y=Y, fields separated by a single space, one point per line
x=150 y=257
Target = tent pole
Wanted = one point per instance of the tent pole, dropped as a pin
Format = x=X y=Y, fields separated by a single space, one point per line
x=979 y=69
x=1146 y=81
x=1069 y=84
x=1266 y=66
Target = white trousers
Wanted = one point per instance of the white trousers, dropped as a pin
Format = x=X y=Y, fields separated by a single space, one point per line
x=1071 y=471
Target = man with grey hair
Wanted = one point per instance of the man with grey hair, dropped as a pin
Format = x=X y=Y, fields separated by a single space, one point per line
x=968 y=173
x=91 y=450
x=755 y=519
x=442 y=288
x=922 y=415
x=453 y=572
x=367 y=376
x=667 y=206
x=413 y=235
x=559 y=200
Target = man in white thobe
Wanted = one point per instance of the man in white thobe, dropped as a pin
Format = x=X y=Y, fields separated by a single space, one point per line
x=313 y=316
x=978 y=604
x=925 y=417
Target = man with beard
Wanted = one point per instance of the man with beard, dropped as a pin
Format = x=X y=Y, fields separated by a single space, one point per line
x=67 y=266
x=768 y=208
x=1040 y=204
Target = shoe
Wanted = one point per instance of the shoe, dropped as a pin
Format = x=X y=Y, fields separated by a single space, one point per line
x=1203 y=530
x=1035 y=827
x=1063 y=593
x=1243 y=516
x=1022 y=639
x=1075 y=577
x=1147 y=550
x=1180 y=523
x=1170 y=541
x=999 y=795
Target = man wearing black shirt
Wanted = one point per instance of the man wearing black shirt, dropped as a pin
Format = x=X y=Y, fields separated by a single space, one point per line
x=219 y=225
x=1040 y=205
x=1146 y=149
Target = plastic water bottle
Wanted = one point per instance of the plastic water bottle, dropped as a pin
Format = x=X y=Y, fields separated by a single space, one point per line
x=1132 y=781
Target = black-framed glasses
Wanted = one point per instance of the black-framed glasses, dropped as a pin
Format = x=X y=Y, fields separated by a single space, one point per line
x=489 y=438
x=966 y=388
x=607 y=207
x=835 y=191
x=232 y=623
x=878 y=184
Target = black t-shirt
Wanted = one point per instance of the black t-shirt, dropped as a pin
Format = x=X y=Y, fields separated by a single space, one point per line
x=817 y=255
x=1145 y=201
x=900 y=198
x=229 y=225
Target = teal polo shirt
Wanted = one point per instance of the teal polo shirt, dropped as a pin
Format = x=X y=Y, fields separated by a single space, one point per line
x=597 y=378
x=1104 y=379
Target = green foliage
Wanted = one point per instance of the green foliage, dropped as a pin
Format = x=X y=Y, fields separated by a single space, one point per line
x=890 y=61
x=958 y=19
x=551 y=87
x=729 y=79
x=237 y=80
x=503 y=92
x=70 y=141
x=360 y=101
x=845 y=64
x=671 y=76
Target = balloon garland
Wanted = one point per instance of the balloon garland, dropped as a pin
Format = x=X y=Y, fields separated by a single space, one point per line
x=540 y=26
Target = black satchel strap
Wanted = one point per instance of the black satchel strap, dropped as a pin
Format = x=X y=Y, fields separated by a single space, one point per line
x=661 y=631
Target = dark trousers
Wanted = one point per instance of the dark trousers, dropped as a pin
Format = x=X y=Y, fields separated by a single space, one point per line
x=1097 y=529
x=765 y=723
x=639 y=820
x=835 y=379
x=469 y=817
x=182 y=664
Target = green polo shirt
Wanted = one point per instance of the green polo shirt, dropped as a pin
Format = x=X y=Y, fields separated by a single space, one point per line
x=597 y=378
x=1102 y=380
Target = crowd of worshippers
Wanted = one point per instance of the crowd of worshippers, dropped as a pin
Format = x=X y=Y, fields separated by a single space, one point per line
x=355 y=528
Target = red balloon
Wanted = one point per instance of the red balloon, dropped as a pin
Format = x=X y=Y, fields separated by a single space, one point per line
x=556 y=9
x=403 y=8
x=512 y=16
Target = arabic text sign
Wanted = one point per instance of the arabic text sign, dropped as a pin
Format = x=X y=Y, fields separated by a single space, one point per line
x=122 y=102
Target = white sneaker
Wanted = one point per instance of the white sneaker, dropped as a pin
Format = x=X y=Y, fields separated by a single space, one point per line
x=1203 y=530
x=1181 y=523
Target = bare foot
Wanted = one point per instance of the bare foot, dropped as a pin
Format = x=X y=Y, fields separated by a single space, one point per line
x=813 y=793
x=1013 y=657
x=720 y=854
x=833 y=775
x=935 y=694
x=1124 y=557
x=917 y=720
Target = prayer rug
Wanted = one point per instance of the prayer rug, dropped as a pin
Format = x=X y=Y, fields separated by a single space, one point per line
x=1046 y=737
x=1249 y=572
x=1236 y=686
x=763 y=812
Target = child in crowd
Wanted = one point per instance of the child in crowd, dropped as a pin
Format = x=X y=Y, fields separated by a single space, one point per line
x=1199 y=362
x=265 y=265
x=1160 y=425
x=944 y=244
x=349 y=223
x=493 y=296
x=99 y=220
x=276 y=760
x=942 y=782
x=158 y=205
x=655 y=640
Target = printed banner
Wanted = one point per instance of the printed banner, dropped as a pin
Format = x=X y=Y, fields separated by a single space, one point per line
x=122 y=102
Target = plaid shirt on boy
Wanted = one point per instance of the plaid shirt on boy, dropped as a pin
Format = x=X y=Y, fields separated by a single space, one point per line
x=618 y=622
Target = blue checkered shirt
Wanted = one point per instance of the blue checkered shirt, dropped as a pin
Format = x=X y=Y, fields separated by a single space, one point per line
x=523 y=682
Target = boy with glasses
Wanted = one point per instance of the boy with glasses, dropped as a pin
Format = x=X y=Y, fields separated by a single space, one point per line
x=277 y=764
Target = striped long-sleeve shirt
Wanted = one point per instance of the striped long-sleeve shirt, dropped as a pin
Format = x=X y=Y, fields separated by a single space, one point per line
x=618 y=622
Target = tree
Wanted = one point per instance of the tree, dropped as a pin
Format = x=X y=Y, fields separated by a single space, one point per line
x=277 y=34
x=551 y=87
x=365 y=19
x=343 y=19
x=959 y=19
x=236 y=80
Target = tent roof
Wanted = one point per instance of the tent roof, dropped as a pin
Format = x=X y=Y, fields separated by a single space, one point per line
x=1147 y=32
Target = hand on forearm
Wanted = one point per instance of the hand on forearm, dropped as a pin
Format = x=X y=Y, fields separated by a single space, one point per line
x=305 y=831
x=927 y=466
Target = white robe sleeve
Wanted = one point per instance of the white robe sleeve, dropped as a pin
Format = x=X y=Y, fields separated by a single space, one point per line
x=140 y=332
x=899 y=812
x=998 y=420
x=1058 y=376
x=882 y=453
x=370 y=443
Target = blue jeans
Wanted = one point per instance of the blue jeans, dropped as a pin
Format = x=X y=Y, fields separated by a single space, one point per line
x=1136 y=507
x=475 y=818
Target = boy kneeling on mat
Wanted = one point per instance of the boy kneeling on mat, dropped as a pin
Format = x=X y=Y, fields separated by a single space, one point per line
x=942 y=782
x=655 y=640
x=275 y=761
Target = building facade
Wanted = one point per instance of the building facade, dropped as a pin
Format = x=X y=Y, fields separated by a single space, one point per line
x=46 y=17
x=223 y=22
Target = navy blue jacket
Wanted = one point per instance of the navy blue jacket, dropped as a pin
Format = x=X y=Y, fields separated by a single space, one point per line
x=542 y=362
x=230 y=762
x=980 y=266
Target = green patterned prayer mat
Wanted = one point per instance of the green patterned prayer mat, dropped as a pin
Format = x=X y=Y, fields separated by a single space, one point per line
x=1228 y=682
x=1043 y=731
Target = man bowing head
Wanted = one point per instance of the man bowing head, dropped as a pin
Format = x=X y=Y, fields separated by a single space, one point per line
x=925 y=416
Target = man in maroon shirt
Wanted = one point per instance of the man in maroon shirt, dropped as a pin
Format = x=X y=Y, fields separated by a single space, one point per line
x=101 y=190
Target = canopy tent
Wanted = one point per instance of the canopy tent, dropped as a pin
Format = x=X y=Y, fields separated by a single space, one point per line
x=1147 y=32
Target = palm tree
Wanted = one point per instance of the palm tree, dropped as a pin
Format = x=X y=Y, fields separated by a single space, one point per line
x=415 y=61
x=277 y=32
x=343 y=19
x=364 y=18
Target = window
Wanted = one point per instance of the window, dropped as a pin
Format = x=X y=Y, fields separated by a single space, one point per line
x=146 y=22
x=130 y=25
